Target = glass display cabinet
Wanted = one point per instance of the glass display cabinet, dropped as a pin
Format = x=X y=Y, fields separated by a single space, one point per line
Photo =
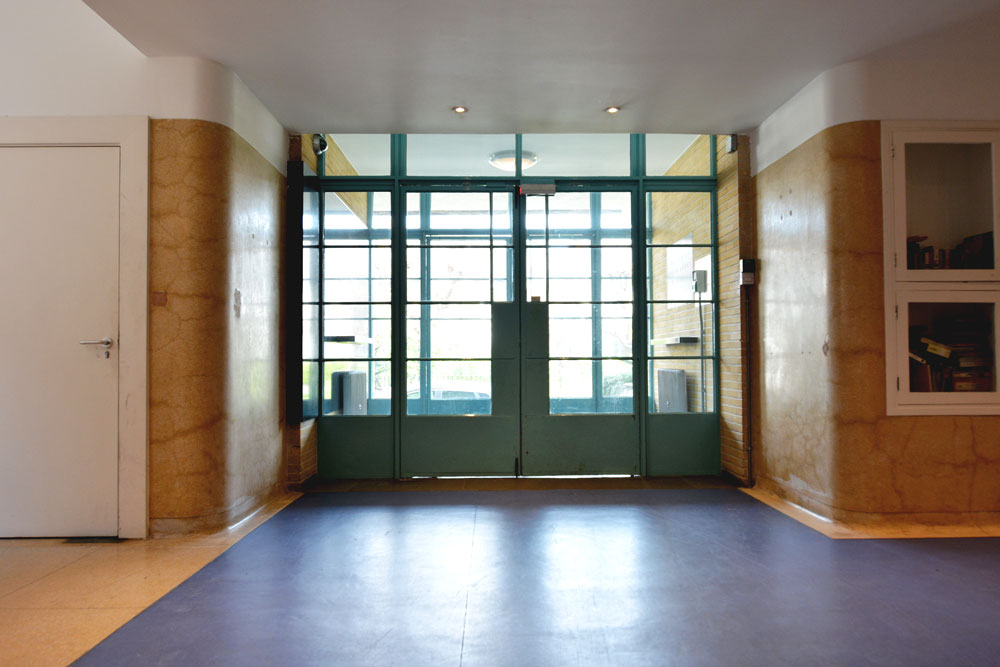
x=942 y=281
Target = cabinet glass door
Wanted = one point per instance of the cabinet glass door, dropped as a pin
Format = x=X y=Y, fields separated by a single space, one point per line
x=947 y=346
x=946 y=205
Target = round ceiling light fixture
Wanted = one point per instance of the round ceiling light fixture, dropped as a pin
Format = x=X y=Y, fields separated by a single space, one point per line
x=612 y=110
x=507 y=160
x=459 y=109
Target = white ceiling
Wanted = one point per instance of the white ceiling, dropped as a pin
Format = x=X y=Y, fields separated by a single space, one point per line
x=689 y=66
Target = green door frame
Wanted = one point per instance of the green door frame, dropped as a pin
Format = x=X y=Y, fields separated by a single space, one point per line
x=439 y=444
x=584 y=443
x=370 y=446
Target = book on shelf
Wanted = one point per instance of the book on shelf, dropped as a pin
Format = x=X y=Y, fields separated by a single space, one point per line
x=972 y=384
x=974 y=252
x=936 y=348
x=974 y=362
x=921 y=377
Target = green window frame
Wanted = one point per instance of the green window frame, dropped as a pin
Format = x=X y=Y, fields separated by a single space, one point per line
x=397 y=183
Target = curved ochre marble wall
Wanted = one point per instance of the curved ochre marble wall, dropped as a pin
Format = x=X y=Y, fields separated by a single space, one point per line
x=824 y=440
x=215 y=413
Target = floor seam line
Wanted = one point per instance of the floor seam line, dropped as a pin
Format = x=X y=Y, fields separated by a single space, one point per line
x=47 y=575
x=468 y=586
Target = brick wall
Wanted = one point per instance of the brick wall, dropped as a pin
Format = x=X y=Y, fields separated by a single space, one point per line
x=302 y=454
x=735 y=240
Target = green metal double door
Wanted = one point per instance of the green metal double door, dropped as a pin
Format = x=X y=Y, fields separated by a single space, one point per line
x=520 y=322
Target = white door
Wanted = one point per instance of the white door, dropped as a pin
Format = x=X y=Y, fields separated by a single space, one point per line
x=59 y=213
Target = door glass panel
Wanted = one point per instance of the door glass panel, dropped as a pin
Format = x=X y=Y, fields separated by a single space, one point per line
x=452 y=330
x=459 y=260
x=680 y=329
x=583 y=265
x=310 y=332
x=503 y=220
x=357 y=218
x=569 y=216
x=616 y=263
x=616 y=330
x=616 y=380
x=676 y=385
x=357 y=274
x=536 y=274
x=459 y=274
x=361 y=331
x=458 y=218
x=571 y=329
x=534 y=220
x=616 y=289
x=503 y=274
x=310 y=389
x=570 y=274
x=571 y=379
x=592 y=386
x=616 y=274
x=670 y=273
x=570 y=289
x=356 y=387
x=448 y=387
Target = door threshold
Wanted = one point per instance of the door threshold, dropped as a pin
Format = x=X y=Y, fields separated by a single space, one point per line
x=623 y=476
x=577 y=482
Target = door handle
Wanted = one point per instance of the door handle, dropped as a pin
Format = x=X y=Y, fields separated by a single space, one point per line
x=106 y=342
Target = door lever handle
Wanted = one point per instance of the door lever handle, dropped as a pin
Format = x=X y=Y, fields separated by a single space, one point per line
x=106 y=342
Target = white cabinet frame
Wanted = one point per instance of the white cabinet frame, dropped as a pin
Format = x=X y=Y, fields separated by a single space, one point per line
x=951 y=400
x=904 y=286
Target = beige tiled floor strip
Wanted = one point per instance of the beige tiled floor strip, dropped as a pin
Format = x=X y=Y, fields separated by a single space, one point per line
x=888 y=526
x=58 y=600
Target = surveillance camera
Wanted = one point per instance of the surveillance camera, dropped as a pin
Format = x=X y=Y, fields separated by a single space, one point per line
x=319 y=144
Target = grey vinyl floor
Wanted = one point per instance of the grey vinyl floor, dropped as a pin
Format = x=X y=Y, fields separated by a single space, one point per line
x=568 y=577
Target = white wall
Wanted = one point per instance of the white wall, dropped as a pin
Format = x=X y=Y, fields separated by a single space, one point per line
x=59 y=58
x=948 y=75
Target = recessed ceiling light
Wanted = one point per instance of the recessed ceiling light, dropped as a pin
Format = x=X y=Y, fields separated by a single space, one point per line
x=612 y=109
x=507 y=160
x=459 y=109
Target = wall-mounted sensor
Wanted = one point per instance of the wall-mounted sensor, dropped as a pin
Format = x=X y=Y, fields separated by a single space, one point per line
x=748 y=271
x=319 y=144
x=699 y=281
